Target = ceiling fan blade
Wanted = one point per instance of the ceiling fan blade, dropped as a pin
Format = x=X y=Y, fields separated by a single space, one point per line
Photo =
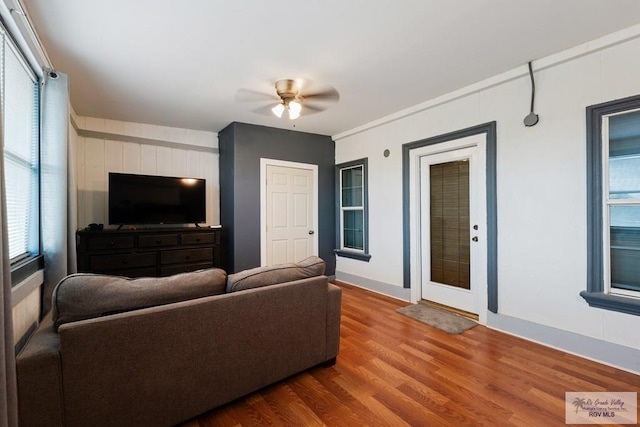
x=248 y=95
x=330 y=95
x=319 y=92
x=265 y=110
x=310 y=109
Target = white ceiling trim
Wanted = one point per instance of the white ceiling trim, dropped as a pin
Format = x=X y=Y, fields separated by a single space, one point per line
x=596 y=45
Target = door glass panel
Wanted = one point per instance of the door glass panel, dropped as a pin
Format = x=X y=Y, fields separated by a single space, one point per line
x=449 y=220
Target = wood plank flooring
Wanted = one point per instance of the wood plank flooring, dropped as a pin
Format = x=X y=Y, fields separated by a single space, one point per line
x=395 y=371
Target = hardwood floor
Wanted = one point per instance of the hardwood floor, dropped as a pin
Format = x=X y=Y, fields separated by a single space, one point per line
x=395 y=371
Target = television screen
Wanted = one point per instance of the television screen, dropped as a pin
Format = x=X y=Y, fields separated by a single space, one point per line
x=145 y=199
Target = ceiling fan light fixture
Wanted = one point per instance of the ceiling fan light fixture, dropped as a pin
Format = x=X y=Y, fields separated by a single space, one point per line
x=294 y=110
x=291 y=99
x=278 y=110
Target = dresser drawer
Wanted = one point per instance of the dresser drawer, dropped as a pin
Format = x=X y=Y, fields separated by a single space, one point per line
x=98 y=243
x=154 y=241
x=186 y=256
x=200 y=238
x=148 y=252
x=122 y=261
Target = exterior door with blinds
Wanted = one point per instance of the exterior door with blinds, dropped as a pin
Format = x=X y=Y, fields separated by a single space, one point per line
x=452 y=223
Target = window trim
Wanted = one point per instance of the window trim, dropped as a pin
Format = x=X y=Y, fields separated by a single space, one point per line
x=596 y=293
x=340 y=251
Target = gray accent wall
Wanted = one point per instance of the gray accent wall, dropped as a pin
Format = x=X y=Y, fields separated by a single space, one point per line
x=241 y=147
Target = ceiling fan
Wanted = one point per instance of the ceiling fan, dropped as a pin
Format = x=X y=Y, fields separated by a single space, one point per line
x=295 y=96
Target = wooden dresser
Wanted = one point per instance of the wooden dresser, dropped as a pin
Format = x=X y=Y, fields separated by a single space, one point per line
x=148 y=252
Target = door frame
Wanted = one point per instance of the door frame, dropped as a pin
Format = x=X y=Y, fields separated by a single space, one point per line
x=264 y=162
x=490 y=130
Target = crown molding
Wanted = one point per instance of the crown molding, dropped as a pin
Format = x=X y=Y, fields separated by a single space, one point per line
x=587 y=48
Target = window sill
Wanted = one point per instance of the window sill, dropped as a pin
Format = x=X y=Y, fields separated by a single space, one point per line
x=628 y=305
x=353 y=255
x=25 y=268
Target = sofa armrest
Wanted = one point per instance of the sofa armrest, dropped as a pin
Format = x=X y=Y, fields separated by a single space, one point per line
x=40 y=401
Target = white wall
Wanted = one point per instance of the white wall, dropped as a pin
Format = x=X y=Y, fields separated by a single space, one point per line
x=541 y=182
x=104 y=146
x=25 y=304
x=112 y=146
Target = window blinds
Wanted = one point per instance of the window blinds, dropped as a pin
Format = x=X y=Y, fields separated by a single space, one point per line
x=19 y=92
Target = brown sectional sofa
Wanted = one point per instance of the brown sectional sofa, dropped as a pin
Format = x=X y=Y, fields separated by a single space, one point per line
x=179 y=357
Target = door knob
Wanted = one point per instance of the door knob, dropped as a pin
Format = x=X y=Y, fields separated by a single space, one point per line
x=311 y=232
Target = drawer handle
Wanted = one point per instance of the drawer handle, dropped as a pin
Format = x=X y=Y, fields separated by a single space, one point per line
x=158 y=241
x=197 y=239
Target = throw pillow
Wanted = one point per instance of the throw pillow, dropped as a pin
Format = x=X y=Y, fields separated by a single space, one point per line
x=85 y=296
x=271 y=275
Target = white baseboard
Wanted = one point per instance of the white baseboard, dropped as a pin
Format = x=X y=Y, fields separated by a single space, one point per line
x=373 y=285
x=618 y=356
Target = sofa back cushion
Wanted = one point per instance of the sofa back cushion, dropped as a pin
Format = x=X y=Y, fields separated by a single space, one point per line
x=271 y=275
x=85 y=296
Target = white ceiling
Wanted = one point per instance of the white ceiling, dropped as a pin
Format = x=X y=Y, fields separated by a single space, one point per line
x=183 y=63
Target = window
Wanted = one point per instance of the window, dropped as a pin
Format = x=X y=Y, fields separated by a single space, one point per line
x=614 y=206
x=19 y=92
x=352 y=211
x=621 y=184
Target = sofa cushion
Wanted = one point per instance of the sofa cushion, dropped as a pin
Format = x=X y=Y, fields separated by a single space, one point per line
x=85 y=296
x=271 y=275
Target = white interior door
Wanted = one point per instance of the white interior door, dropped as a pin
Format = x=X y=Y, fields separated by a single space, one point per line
x=290 y=206
x=453 y=223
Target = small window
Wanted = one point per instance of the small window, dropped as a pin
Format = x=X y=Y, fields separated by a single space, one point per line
x=19 y=92
x=352 y=215
x=614 y=206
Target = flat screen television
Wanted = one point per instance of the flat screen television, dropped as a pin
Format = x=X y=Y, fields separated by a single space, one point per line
x=145 y=199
